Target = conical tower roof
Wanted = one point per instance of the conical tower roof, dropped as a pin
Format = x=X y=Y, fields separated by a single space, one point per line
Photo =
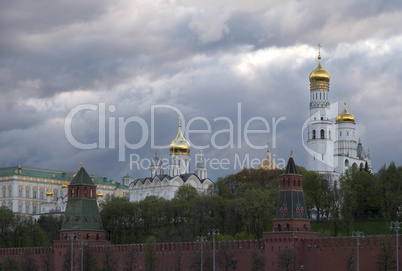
x=82 y=178
x=291 y=166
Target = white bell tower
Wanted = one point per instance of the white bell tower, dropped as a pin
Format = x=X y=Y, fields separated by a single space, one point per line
x=320 y=128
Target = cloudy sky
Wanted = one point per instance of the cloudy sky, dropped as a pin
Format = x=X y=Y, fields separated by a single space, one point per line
x=103 y=82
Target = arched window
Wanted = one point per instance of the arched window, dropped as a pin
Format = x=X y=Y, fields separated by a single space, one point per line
x=346 y=163
x=279 y=227
x=304 y=227
x=287 y=227
x=313 y=134
x=322 y=133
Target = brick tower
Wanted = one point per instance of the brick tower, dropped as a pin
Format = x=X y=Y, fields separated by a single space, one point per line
x=82 y=219
x=291 y=215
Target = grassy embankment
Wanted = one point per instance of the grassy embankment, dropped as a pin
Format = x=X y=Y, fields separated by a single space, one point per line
x=369 y=227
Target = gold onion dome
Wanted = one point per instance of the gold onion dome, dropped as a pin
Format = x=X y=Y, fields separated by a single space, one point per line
x=267 y=163
x=319 y=74
x=49 y=193
x=99 y=194
x=179 y=144
x=345 y=116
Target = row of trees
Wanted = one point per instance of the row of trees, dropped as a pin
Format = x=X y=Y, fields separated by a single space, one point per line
x=17 y=230
x=243 y=213
x=242 y=207
x=357 y=195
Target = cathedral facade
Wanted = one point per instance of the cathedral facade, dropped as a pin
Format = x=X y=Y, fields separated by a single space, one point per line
x=164 y=185
x=331 y=141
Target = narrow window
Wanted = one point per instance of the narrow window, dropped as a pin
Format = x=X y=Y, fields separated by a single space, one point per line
x=313 y=134
x=322 y=133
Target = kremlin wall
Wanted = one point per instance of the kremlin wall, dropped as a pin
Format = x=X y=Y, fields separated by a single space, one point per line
x=312 y=252
x=82 y=227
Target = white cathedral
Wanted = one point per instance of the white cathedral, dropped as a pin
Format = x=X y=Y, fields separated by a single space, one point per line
x=165 y=185
x=332 y=145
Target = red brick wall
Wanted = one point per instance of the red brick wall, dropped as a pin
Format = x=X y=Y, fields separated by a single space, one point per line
x=313 y=252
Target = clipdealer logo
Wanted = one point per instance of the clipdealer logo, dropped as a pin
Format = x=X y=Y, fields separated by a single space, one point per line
x=108 y=126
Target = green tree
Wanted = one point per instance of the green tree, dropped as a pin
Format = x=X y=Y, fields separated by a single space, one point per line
x=258 y=210
x=390 y=188
x=35 y=237
x=151 y=258
x=51 y=226
x=259 y=176
x=6 y=220
x=207 y=213
x=187 y=192
x=361 y=188
x=316 y=191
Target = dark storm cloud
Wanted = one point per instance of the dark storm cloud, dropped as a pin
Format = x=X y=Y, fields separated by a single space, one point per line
x=202 y=57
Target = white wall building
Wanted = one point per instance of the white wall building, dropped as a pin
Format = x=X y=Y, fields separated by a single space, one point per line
x=165 y=185
x=36 y=191
x=331 y=141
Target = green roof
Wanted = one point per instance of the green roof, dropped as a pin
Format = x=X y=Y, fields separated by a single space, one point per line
x=82 y=214
x=82 y=178
x=54 y=174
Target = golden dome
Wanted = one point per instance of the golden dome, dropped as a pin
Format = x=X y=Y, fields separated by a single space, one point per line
x=64 y=186
x=267 y=163
x=99 y=194
x=49 y=193
x=179 y=144
x=319 y=74
x=345 y=116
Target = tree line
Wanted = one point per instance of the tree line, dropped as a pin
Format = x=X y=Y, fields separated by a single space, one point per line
x=241 y=207
x=357 y=195
x=18 y=230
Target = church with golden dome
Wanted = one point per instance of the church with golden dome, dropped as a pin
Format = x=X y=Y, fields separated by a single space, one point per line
x=331 y=141
x=178 y=174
